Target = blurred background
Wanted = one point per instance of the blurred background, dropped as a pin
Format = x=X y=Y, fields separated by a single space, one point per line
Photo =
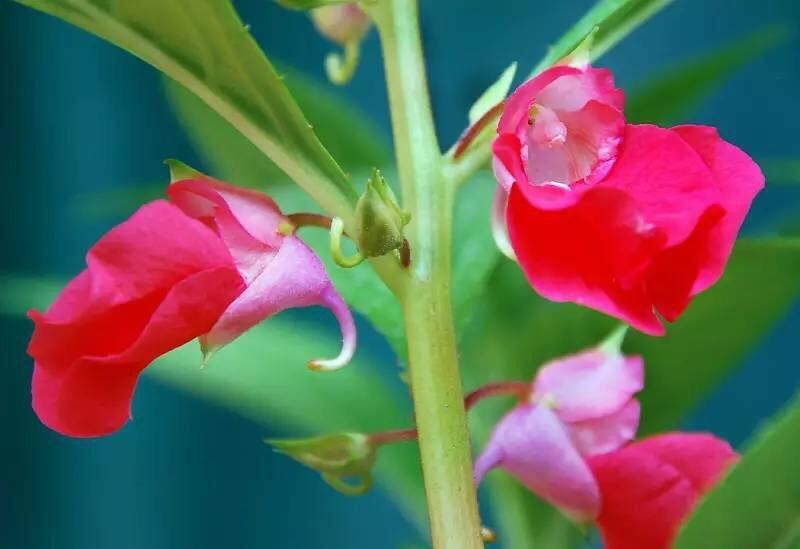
x=79 y=117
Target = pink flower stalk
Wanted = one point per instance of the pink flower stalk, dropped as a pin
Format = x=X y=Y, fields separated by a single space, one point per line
x=631 y=220
x=650 y=487
x=212 y=264
x=581 y=405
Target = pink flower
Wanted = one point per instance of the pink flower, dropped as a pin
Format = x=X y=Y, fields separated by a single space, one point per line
x=650 y=487
x=159 y=280
x=631 y=220
x=580 y=405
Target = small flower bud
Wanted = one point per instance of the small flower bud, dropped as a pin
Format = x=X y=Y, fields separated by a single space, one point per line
x=380 y=218
x=341 y=23
x=336 y=457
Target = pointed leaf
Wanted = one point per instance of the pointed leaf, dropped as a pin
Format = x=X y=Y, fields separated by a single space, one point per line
x=493 y=94
x=673 y=94
x=204 y=46
x=304 y=5
x=233 y=158
x=614 y=19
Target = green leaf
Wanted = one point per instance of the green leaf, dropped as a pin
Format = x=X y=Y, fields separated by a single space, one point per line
x=261 y=375
x=757 y=505
x=493 y=94
x=203 y=45
x=514 y=332
x=614 y=20
x=233 y=158
x=304 y=5
x=673 y=94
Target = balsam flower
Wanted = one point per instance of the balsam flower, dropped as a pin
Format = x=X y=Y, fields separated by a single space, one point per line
x=579 y=406
x=631 y=220
x=211 y=264
x=650 y=487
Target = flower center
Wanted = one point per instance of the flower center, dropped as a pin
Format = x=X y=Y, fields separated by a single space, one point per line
x=545 y=128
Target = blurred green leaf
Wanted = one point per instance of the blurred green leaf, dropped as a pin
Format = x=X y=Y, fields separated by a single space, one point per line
x=757 y=505
x=781 y=171
x=235 y=159
x=514 y=332
x=263 y=376
x=309 y=4
x=614 y=20
x=673 y=94
x=205 y=47
x=493 y=94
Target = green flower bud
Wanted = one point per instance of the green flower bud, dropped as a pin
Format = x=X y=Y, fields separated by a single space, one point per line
x=336 y=457
x=341 y=23
x=380 y=218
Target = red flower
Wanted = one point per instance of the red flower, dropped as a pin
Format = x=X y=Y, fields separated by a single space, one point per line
x=650 y=487
x=212 y=267
x=631 y=220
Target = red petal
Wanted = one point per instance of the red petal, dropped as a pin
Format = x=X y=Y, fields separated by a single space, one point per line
x=153 y=283
x=592 y=253
x=649 y=488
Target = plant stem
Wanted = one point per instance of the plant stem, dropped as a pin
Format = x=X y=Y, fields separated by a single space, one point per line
x=435 y=380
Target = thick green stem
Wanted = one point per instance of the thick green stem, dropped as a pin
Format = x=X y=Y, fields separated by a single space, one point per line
x=433 y=362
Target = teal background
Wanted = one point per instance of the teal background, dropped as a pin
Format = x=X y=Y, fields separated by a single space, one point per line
x=78 y=115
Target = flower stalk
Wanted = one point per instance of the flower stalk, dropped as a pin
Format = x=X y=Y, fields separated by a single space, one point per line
x=433 y=358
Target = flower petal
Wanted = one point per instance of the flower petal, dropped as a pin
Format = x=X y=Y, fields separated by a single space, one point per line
x=607 y=433
x=739 y=180
x=153 y=283
x=592 y=253
x=532 y=444
x=498 y=223
x=294 y=278
x=248 y=221
x=650 y=487
x=665 y=178
x=589 y=385
x=519 y=103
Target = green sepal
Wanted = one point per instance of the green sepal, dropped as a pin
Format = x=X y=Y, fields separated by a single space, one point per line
x=337 y=457
x=380 y=218
x=179 y=171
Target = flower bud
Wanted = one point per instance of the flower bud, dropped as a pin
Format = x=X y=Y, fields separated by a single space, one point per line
x=380 y=218
x=334 y=456
x=341 y=23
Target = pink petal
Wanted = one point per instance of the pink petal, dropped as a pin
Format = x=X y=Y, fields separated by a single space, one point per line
x=650 y=487
x=667 y=180
x=153 y=283
x=606 y=433
x=518 y=105
x=593 y=252
x=589 y=385
x=700 y=457
x=573 y=92
x=295 y=277
x=248 y=221
x=739 y=180
x=506 y=161
x=531 y=443
x=566 y=148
